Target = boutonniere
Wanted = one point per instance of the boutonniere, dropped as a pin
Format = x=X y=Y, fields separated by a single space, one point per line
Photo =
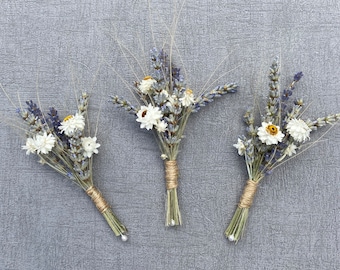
x=65 y=147
x=281 y=134
x=166 y=104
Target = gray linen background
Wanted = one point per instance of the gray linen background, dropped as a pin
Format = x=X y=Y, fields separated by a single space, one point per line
x=56 y=48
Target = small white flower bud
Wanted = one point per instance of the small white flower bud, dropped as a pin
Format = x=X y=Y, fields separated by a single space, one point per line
x=231 y=238
x=124 y=237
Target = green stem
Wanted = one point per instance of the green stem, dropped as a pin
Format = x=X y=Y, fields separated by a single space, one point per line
x=173 y=215
x=237 y=225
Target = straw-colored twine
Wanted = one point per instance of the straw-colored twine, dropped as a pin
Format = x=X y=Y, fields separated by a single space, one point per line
x=98 y=199
x=248 y=194
x=171 y=174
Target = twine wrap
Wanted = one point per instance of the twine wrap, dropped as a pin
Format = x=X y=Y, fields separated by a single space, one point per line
x=98 y=199
x=171 y=174
x=248 y=194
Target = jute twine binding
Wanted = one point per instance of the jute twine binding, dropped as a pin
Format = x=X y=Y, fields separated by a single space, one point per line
x=171 y=174
x=248 y=194
x=98 y=199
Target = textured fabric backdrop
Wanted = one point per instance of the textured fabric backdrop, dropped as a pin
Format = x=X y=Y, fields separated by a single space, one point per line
x=52 y=49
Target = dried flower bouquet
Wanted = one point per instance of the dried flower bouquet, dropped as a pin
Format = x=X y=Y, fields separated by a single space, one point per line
x=63 y=146
x=281 y=134
x=167 y=105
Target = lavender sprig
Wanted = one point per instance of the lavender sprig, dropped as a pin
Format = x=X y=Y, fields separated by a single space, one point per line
x=323 y=121
x=124 y=104
x=34 y=109
x=273 y=97
x=209 y=97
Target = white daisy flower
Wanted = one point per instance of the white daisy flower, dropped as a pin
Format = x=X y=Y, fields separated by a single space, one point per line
x=90 y=146
x=298 y=129
x=241 y=148
x=290 y=150
x=188 y=98
x=269 y=133
x=161 y=126
x=148 y=116
x=44 y=143
x=30 y=146
x=72 y=123
x=146 y=84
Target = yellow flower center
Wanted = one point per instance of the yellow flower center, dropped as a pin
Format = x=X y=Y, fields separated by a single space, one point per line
x=272 y=129
x=147 y=78
x=68 y=118
x=188 y=91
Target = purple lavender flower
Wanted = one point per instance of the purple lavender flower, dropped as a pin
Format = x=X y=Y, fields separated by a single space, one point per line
x=298 y=76
x=286 y=94
x=34 y=109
